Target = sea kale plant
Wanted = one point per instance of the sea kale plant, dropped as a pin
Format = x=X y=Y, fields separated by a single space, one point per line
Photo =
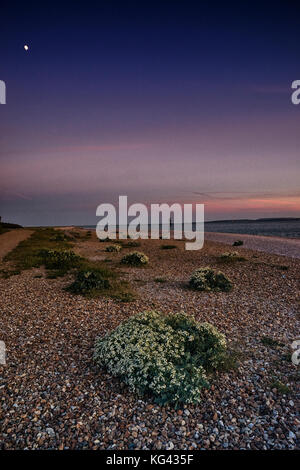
x=135 y=258
x=113 y=248
x=207 y=279
x=87 y=281
x=231 y=256
x=166 y=356
x=59 y=259
x=238 y=243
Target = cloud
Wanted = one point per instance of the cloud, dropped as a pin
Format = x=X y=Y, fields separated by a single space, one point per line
x=13 y=195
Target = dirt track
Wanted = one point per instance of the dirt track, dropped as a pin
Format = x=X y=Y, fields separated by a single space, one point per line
x=9 y=240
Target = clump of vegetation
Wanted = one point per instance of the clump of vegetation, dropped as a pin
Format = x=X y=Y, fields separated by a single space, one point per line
x=104 y=240
x=42 y=249
x=87 y=281
x=168 y=357
x=7 y=273
x=280 y=387
x=93 y=281
x=282 y=267
x=113 y=248
x=82 y=235
x=168 y=247
x=55 y=259
x=231 y=256
x=60 y=236
x=160 y=280
x=131 y=244
x=207 y=279
x=135 y=259
x=270 y=342
x=238 y=243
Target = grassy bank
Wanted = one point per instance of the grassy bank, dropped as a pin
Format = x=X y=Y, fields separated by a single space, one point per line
x=49 y=248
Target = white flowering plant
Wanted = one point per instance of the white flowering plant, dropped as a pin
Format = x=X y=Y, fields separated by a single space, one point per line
x=113 y=248
x=56 y=259
x=207 y=279
x=135 y=258
x=230 y=256
x=166 y=356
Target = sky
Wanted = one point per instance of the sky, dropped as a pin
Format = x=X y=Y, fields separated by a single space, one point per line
x=172 y=101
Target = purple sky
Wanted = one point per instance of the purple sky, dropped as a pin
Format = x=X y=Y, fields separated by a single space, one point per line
x=180 y=106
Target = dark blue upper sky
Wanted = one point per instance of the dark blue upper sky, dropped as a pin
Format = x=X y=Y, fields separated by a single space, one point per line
x=157 y=100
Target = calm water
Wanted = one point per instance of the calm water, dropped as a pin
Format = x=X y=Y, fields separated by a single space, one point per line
x=288 y=228
x=278 y=228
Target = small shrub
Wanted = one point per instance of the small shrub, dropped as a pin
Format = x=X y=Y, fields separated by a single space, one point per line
x=268 y=341
x=107 y=239
x=231 y=256
x=6 y=274
x=60 y=237
x=55 y=259
x=132 y=244
x=165 y=356
x=206 y=279
x=168 y=247
x=113 y=248
x=160 y=280
x=135 y=259
x=87 y=281
x=238 y=243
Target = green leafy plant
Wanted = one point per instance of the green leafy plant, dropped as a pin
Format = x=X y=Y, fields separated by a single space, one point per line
x=60 y=237
x=168 y=357
x=231 y=256
x=272 y=343
x=87 y=281
x=135 y=259
x=113 y=248
x=238 y=243
x=55 y=259
x=207 y=279
x=131 y=244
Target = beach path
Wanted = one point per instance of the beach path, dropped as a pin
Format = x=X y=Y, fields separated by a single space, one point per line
x=9 y=240
x=276 y=245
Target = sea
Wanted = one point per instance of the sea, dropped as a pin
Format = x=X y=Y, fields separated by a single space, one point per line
x=285 y=227
x=289 y=228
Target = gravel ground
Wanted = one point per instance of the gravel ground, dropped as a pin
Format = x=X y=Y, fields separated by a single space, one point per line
x=53 y=397
x=277 y=245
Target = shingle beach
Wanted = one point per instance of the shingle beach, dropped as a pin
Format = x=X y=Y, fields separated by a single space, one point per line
x=52 y=396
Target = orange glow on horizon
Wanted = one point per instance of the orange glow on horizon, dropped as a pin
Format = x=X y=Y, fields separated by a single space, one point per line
x=289 y=204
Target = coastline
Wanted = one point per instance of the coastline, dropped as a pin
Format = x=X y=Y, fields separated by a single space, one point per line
x=282 y=246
